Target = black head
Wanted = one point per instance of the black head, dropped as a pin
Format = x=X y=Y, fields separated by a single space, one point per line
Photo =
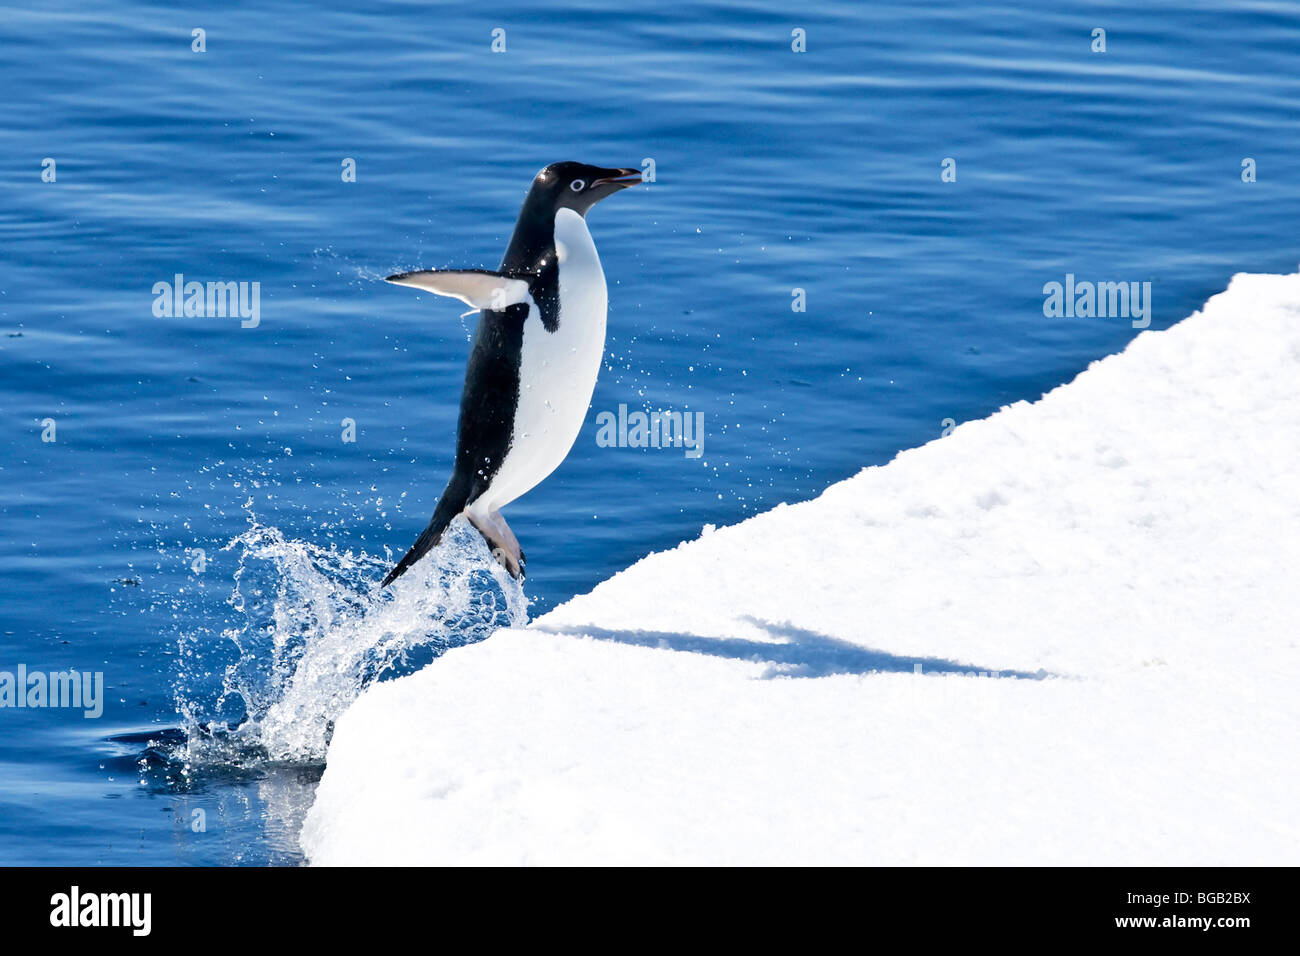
x=577 y=186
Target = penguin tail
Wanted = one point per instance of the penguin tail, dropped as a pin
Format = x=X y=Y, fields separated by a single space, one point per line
x=450 y=505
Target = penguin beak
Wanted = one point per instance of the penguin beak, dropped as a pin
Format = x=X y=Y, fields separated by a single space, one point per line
x=619 y=178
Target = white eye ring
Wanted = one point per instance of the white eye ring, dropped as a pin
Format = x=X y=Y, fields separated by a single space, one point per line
x=578 y=185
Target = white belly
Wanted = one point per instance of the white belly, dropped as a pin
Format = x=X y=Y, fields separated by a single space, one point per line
x=557 y=370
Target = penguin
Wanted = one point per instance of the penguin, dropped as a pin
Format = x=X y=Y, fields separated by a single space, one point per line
x=533 y=363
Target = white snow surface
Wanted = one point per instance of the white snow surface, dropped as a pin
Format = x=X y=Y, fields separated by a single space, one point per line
x=1124 y=552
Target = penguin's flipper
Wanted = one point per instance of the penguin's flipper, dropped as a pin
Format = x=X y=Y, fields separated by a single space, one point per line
x=449 y=505
x=477 y=288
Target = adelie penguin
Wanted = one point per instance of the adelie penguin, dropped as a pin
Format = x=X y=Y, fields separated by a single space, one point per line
x=536 y=353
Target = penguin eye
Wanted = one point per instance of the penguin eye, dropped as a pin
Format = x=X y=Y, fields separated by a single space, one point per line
x=578 y=185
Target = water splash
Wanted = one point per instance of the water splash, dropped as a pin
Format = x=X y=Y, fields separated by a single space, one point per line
x=310 y=630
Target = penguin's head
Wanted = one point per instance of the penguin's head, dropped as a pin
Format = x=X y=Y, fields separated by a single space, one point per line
x=578 y=186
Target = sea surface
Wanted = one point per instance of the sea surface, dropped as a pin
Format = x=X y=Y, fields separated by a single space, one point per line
x=840 y=252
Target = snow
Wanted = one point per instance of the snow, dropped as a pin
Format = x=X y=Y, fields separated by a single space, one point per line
x=1122 y=553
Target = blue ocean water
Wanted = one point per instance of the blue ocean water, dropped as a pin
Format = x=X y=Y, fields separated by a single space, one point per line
x=200 y=532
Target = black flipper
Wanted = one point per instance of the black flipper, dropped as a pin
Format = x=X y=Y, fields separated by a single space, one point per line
x=451 y=504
